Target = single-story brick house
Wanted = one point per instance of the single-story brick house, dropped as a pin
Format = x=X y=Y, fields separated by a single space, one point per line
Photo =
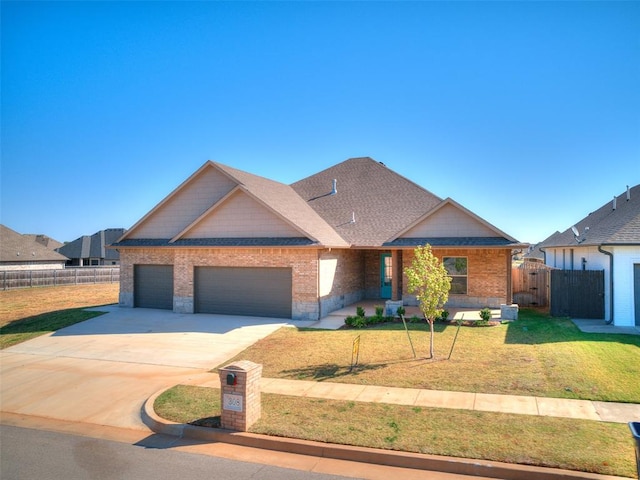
x=226 y=241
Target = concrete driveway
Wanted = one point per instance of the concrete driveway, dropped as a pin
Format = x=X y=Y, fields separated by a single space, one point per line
x=102 y=370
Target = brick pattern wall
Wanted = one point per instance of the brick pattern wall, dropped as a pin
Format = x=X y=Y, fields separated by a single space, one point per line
x=344 y=284
x=248 y=376
x=303 y=263
x=487 y=277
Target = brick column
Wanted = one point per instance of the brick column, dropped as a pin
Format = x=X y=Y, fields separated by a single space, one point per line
x=240 y=391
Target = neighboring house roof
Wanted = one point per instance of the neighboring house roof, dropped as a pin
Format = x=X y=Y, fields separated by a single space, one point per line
x=605 y=226
x=44 y=240
x=94 y=246
x=372 y=206
x=535 y=250
x=16 y=248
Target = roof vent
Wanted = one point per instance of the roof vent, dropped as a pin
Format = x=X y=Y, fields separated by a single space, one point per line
x=353 y=217
x=614 y=202
x=334 y=190
x=628 y=193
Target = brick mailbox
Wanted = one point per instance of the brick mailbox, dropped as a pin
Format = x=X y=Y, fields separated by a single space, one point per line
x=240 y=391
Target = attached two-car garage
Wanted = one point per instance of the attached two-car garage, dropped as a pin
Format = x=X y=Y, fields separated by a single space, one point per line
x=251 y=291
x=260 y=292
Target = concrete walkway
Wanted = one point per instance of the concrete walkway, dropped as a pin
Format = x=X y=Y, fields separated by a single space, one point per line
x=484 y=402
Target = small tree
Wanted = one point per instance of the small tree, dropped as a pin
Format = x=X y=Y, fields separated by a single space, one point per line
x=428 y=279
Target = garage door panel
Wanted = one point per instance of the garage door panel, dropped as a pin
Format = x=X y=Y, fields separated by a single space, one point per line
x=153 y=286
x=264 y=292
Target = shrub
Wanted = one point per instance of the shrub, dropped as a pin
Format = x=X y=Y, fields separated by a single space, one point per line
x=485 y=316
x=444 y=315
x=400 y=311
x=360 y=311
x=414 y=319
x=379 y=310
x=356 y=321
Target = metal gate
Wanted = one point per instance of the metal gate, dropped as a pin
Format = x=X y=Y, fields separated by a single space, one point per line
x=577 y=293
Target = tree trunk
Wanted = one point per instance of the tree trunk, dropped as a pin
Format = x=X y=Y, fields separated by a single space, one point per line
x=431 y=353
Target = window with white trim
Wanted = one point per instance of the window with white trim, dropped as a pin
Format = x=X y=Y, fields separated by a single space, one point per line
x=457 y=270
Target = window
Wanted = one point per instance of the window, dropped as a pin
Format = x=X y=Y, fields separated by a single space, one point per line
x=457 y=270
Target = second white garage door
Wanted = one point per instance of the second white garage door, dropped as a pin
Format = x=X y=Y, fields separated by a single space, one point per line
x=258 y=292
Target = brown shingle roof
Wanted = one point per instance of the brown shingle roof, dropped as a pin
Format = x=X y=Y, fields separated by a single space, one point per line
x=283 y=200
x=382 y=202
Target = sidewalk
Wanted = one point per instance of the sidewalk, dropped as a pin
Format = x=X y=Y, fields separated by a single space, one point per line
x=486 y=402
x=370 y=458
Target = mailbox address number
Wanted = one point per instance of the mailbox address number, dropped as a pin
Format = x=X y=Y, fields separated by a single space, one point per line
x=232 y=402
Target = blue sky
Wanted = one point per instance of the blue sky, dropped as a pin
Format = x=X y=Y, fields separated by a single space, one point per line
x=526 y=113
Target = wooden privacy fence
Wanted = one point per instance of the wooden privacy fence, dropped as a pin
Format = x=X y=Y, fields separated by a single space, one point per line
x=68 y=276
x=530 y=284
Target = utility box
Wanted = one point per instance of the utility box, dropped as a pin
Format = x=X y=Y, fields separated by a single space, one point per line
x=240 y=395
x=391 y=307
x=509 y=312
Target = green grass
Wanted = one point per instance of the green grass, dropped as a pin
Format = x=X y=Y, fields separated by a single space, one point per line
x=19 y=331
x=536 y=355
x=582 y=445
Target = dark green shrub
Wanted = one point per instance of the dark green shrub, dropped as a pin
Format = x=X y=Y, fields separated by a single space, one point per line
x=485 y=316
x=360 y=311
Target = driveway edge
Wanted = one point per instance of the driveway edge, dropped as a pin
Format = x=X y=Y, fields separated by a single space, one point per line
x=454 y=465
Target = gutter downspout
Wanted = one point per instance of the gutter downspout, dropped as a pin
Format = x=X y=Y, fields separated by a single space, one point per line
x=544 y=254
x=610 y=321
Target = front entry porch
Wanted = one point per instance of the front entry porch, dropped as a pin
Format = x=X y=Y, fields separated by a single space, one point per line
x=335 y=319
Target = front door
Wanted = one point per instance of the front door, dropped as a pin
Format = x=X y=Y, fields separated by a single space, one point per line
x=386 y=274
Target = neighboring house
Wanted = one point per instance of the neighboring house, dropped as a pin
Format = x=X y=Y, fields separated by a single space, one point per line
x=226 y=241
x=607 y=239
x=23 y=252
x=88 y=251
x=44 y=240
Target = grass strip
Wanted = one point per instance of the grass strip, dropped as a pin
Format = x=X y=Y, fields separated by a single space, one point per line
x=582 y=445
x=20 y=331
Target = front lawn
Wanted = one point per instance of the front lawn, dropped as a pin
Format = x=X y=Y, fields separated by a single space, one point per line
x=30 y=312
x=583 y=445
x=535 y=355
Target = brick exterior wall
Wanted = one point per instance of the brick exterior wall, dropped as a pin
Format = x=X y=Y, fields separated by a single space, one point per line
x=344 y=284
x=487 y=277
x=303 y=263
x=347 y=276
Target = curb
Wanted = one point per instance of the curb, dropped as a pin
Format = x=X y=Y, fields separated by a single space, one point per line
x=454 y=465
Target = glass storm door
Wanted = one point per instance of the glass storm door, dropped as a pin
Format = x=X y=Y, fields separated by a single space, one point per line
x=386 y=273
